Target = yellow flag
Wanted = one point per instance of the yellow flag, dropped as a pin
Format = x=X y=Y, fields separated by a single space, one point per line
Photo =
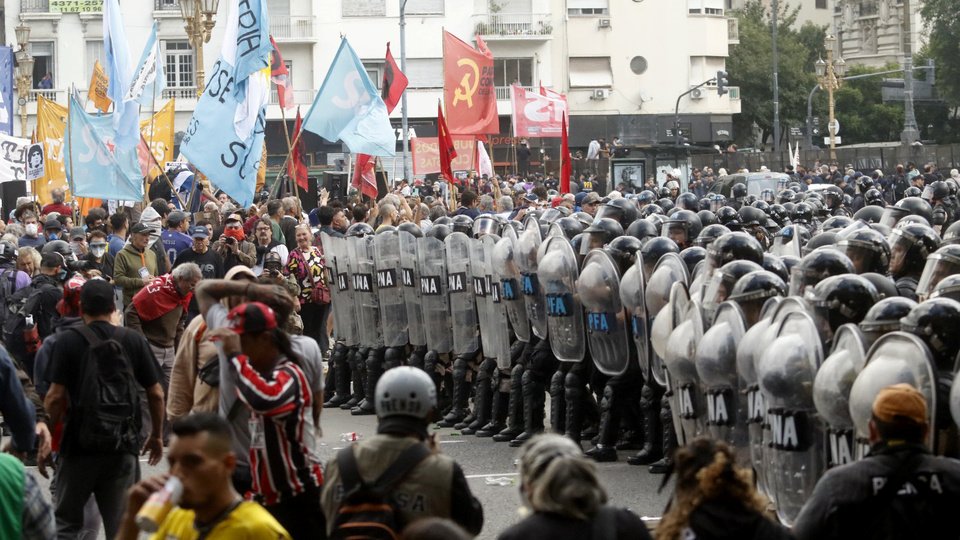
x=51 y=124
x=99 y=82
x=262 y=170
x=158 y=132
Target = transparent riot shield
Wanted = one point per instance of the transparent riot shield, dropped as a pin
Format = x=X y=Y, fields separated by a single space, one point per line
x=955 y=399
x=508 y=273
x=393 y=308
x=634 y=301
x=749 y=351
x=670 y=269
x=716 y=363
x=410 y=280
x=607 y=334
x=497 y=344
x=435 y=303
x=687 y=403
x=897 y=357
x=525 y=254
x=671 y=315
x=479 y=270
x=786 y=372
x=831 y=393
x=463 y=311
x=365 y=290
x=558 y=271
x=337 y=268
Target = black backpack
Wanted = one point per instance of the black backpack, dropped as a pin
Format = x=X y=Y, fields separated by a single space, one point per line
x=8 y=281
x=367 y=511
x=17 y=306
x=107 y=411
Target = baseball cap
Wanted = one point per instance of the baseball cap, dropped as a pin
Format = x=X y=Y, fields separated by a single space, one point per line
x=199 y=231
x=530 y=197
x=252 y=318
x=232 y=217
x=590 y=198
x=176 y=218
x=900 y=400
x=96 y=296
x=52 y=224
x=139 y=228
x=77 y=233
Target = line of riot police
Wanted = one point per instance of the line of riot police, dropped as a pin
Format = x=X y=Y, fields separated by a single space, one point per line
x=770 y=322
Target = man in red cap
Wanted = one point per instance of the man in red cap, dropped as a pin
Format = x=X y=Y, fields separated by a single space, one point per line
x=900 y=490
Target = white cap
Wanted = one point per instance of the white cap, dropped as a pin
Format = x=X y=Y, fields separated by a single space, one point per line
x=675 y=173
x=673 y=184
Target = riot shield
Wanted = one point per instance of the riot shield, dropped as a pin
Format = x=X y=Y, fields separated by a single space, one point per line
x=955 y=399
x=508 y=274
x=607 y=335
x=831 y=393
x=665 y=322
x=393 y=309
x=365 y=291
x=479 y=269
x=497 y=343
x=897 y=357
x=716 y=363
x=634 y=301
x=670 y=269
x=749 y=351
x=558 y=271
x=525 y=254
x=410 y=280
x=463 y=312
x=687 y=404
x=431 y=256
x=337 y=268
x=786 y=373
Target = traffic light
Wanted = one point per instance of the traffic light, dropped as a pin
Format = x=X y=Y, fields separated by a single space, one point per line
x=722 y=83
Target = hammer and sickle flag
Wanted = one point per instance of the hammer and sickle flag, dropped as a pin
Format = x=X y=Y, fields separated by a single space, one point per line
x=468 y=94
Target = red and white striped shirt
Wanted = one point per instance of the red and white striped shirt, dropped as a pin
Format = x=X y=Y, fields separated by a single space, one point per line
x=280 y=462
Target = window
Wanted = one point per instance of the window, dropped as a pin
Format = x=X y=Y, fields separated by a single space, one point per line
x=425 y=72
x=364 y=8
x=43 y=63
x=94 y=54
x=374 y=70
x=588 y=7
x=424 y=7
x=513 y=70
x=705 y=7
x=178 y=62
x=591 y=72
x=821 y=4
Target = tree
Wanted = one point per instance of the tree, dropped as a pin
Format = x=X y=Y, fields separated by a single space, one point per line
x=750 y=66
x=943 y=46
x=860 y=109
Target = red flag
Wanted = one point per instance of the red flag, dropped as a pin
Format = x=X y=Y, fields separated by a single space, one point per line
x=365 y=175
x=297 y=169
x=394 y=82
x=280 y=76
x=445 y=144
x=566 y=167
x=468 y=93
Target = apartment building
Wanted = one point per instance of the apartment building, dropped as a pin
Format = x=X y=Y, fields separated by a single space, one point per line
x=622 y=63
x=870 y=32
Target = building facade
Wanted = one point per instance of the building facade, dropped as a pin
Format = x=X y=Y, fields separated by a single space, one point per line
x=622 y=63
x=870 y=32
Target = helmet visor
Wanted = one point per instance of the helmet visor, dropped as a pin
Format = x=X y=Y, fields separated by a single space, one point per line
x=676 y=231
x=865 y=257
x=938 y=267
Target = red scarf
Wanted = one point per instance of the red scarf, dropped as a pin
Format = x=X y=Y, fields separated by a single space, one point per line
x=158 y=298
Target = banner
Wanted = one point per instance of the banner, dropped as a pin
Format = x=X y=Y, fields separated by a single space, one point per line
x=536 y=115
x=469 y=98
x=296 y=168
x=158 y=134
x=365 y=175
x=51 y=126
x=280 y=76
x=149 y=79
x=117 y=54
x=485 y=166
x=13 y=158
x=6 y=90
x=348 y=108
x=35 y=163
x=96 y=165
x=566 y=165
x=426 y=154
x=394 y=82
x=222 y=139
x=99 y=84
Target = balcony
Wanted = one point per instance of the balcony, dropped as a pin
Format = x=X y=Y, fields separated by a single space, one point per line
x=292 y=29
x=503 y=92
x=186 y=92
x=514 y=26
x=300 y=97
x=166 y=5
x=49 y=95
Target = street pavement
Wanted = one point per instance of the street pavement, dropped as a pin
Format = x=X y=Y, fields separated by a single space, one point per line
x=490 y=471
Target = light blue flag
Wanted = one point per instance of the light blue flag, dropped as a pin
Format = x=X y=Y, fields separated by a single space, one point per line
x=246 y=40
x=96 y=166
x=126 y=114
x=149 y=79
x=349 y=108
x=212 y=144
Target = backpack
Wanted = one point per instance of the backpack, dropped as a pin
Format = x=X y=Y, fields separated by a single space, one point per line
x=17 y=306
x=8 y=281
x=107 y=411
x=367 y=511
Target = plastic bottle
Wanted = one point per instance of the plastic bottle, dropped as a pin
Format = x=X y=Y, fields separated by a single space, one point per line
x=353 y=436
x=155 y=510
x=31 y=338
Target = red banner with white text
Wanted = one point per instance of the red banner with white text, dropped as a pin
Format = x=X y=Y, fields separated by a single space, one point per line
x=537 y=115
x=426 y=154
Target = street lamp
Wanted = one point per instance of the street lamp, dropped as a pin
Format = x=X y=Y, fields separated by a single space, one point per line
x=198 y=16
x=24 y=79
x=830 y=76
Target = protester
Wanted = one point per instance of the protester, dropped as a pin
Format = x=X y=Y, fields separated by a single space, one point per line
x=173 y=237
x=118 y=232
x=264 y=243
x=233 y=247
x=201 y=458
x=135 y=265
x=305 y=264
x=31 y=237
x=28 y=261
x=97 y=258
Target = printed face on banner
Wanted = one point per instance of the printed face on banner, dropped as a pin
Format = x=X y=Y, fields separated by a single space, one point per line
x=13 y=158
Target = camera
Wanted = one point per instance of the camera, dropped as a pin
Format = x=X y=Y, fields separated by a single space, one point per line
x=231 y=240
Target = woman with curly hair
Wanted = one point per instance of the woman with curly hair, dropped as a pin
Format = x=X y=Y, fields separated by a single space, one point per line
x=714 y=499
x=561 y=487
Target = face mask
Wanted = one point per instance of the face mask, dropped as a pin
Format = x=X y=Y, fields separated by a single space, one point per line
x=53 y=236
x=98 y=251
x=236 y=234
x=31 y=229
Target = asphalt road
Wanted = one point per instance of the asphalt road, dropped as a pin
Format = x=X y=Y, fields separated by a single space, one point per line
x=488 y=465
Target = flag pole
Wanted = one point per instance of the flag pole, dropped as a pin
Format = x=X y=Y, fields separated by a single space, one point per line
x=163 y=173
x=153 y=119
x=286 y=133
